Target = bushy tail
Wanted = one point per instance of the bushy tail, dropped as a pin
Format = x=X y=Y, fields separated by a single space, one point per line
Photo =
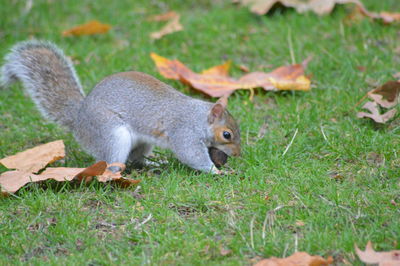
x=48 y=76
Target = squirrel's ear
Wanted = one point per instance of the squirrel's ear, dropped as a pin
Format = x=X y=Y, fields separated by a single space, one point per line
x=217 y=110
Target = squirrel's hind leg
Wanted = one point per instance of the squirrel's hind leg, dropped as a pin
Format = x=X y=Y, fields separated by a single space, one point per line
x=117 y=147
x=138 y=154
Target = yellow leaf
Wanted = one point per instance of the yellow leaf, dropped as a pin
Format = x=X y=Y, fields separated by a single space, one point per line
x=90 y=28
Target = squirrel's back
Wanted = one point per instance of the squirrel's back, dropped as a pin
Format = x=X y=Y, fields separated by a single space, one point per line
x=142 y=100
x=48 y=76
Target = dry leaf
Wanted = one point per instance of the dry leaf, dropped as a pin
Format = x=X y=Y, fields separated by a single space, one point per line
x=215 y=81
x=297 y=259
x=90 y=28
x=244 y=68
x=381 y=258
x=163 y=17
x=320 y=7
x=172 y=26
x=37 y=158
x=108 y=176
x=12 y=181
x=387 y=95
x=222 y=70
x=375 y=113
x=224 y=251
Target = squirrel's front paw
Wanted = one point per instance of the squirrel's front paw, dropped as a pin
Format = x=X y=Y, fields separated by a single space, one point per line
x=216 y=171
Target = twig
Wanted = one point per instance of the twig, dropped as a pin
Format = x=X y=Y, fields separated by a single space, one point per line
x=269 y=218
x=323 y=134
x=290 y=144
x=290 y=43
x=336 y=205
x=251 y=231
x=144 y=221
x=232 y=223
x=247 y=136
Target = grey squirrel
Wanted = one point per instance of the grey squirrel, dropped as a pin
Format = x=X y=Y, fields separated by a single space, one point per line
x=126 y=114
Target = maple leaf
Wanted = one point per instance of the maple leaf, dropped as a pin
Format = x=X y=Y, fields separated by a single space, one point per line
x=216 y=82
x=172 y=26
x=90 y=28
x=297 y=259
x=370 y=256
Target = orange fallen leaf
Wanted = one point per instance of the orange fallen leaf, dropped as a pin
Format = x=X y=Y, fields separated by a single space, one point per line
x=222 y=70
x=90 y=28
x=117 y=177
x=172 y=26
x=12 y=181
x=216 y=82
x=37 y=158
x=371 y=256
x=297 y=259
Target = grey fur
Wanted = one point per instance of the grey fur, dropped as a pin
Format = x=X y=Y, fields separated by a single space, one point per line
x=48 y=76
x=124 y=116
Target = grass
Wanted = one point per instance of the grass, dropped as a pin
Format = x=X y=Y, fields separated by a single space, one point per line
x=337 y=185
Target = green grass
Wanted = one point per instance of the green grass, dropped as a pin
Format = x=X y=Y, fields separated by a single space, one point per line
x=195 y=215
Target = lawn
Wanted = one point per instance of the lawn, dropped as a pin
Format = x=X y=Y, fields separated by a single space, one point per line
x=337 y=185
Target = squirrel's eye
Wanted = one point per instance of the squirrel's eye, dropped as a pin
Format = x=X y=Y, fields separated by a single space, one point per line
x=226 y=135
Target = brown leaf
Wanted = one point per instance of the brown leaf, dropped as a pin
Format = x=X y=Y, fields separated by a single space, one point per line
x=375 y=113
x=244 y=68
x=216 y=83
x=221 y=70
x=385 y=17
x=108 y=176
x=382 y=258
x=320 y=7
x=297 y=259
x=172 y=26
x=90 y=28
x=224 y=251
x=12 y=181
x=387 y=95
x=37 y=158
x=163 y=17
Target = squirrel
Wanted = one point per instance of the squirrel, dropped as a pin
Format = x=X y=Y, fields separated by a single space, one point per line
x=125 y=114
